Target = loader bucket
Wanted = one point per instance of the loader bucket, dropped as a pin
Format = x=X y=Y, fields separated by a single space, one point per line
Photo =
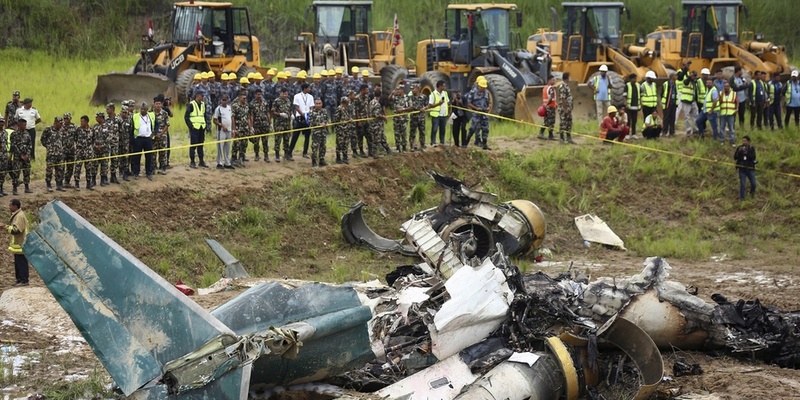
x=528 y=101
x=583 y=105
x=116 y=87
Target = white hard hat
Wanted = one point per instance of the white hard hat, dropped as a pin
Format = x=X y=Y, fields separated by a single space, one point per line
x=650 y=75
x=604 y=68
x=705 y=71
x=795 y=73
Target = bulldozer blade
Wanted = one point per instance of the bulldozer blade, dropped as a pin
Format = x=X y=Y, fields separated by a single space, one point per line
x=528 y=101
x=116 y=87
x=583 y=104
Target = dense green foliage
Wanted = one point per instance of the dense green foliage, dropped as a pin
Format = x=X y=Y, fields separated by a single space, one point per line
x=97 y=28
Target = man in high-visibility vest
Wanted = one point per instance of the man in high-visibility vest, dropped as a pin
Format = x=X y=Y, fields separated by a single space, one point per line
x=649 y=94
x=774 y=90
x=195 y=118
x=728 y=107
x=759 y=100
x=710 y=109
x=601 y=86
x=438 y=106
x=688 y=106
x=18 y=229
x=633 y=101
x=791 y=92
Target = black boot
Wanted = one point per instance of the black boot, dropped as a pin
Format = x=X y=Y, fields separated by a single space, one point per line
x=345 y=160
x=60 y=187
x=28 y=189
x=89 y=184
x=14 y=191
x=361 y=153
x=114 y=178
x=313 y=163
x=77 y=186
x=338 y=158
x=322 y=162
x=94 y=181
x=49 y=187
x=257 y=157
x=288 y=156
x=103 y=181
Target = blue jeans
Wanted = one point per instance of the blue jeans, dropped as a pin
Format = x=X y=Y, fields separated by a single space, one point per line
x=439 y=123
x=701 y=124
x=749 y=174
x=727 y=121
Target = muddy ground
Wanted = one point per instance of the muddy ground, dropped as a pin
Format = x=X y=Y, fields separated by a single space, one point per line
x=32 y=324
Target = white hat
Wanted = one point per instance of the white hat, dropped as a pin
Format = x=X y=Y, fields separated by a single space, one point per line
x=650 y=75
x=705 y=71
x=604 y=68
x=795 y=73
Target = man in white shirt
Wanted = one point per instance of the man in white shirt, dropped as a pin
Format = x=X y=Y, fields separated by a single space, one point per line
x=303 y=102
x=439 y=109
x=30 y=114
x=222 y=119
x=144 y=124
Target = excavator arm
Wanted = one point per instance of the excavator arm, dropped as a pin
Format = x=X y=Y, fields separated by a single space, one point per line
x=749 y=61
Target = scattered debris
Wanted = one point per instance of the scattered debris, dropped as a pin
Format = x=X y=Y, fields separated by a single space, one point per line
x=183 y=288
x=233 y=267
x=594 y=229
x=683 y=368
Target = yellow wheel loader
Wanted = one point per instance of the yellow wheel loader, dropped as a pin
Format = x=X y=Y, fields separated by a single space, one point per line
x=710 y=37
x=206 y=36
x=590 y=37
x=478 y=41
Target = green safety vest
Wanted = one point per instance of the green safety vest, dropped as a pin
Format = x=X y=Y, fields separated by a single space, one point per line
x=435 y=110
x=728 y=103
x=665 y=93
x=597 y=80
x=771 y=93
x=709 y=97
x=631 y=87
x=649 y=95
x=137 y=121
x=701 y=89
x=788 y=89
x=687 y=92
x=198 y=115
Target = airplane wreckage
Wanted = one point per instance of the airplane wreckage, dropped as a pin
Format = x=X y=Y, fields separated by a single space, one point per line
x=463 y=323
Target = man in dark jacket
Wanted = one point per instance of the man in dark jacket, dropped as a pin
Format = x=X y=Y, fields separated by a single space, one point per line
x=745 y=157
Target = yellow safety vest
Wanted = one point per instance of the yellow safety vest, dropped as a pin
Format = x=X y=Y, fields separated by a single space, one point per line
x=137 y=122
x=709 y=98
x=687 y=92
x=728 y=103
x=701 y=89
x=631 y=87
x=198 y=115
x=649 y=95
x=788 y=89
x=435 y=110
x=595 y=84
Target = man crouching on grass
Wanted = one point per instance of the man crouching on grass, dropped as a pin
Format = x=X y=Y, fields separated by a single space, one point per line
x=611 y=128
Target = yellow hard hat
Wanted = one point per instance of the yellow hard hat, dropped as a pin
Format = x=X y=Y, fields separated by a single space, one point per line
x=281 y=75
x=318 y=75
x=271 y=71
x=324 y=72
x=224 y=76
x=483 y=83
x=259 y=76
x=354 y=70
x=339 y=71
x=611 y=109
x=211 y=74
x=302 y=75
x=364 y=72
x=244 y=80
x=251 y=75
x=331 y=72
x=198 y=76
x=480 y=79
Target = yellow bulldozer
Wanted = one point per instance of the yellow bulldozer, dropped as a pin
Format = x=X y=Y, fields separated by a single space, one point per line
x=591 y=36
x=710 y=38
x=342 y=37
x=478 y=42
x=206 y=36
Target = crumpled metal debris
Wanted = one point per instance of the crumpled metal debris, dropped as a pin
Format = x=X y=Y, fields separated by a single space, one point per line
x=594 y=229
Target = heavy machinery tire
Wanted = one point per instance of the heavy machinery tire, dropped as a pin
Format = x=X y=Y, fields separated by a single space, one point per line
x=427 y=82
x=618 y=87
x=183 y=82
x=391 y=75
x=501 y=95
x=243 y=71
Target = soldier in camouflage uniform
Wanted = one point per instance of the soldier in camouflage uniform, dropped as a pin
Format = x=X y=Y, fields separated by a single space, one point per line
x=100 y=132
x=242 y=127
x=259 y=112
x=160 y=137
x=331 y=99
x=479 y=101
x=3 y=154
x=341 y=117
x=565 y=109
x=281 y=114
x=419 y=103
x=114 y=123
x=68 y=142
x=52 y=142
x=84 y=150
x=401 y=104
x=21 y=144
x=352 y=133
x=125 y=134
x=318 y=122
x=550 y=105
x=11 y=109
x=362 y=128
x=377 y=126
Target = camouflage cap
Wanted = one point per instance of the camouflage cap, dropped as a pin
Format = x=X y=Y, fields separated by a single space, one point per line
x=100 y=114
x=58 y=119
x=111 y=105
x=16 y=93
x=344 y=99
x=67 y=116
x=351 y=92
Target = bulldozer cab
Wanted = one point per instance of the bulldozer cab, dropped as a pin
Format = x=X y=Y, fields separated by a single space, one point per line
x=588 y=26
x=345 y=22
x=474 y=28
x=224 y=29
x=706 y=24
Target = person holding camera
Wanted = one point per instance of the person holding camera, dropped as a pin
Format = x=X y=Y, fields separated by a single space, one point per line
x=745 y=157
